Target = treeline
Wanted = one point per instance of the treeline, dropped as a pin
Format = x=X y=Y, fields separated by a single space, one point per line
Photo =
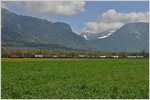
x=27 y=53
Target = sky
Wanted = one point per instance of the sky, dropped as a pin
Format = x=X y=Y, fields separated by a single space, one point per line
x=92 y=16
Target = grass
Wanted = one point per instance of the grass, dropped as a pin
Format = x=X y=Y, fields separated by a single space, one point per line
x=75 y=78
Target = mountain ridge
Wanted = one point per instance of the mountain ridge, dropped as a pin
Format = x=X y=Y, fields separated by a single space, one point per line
x=130 y=37
x=18 y=29
x=26 y=31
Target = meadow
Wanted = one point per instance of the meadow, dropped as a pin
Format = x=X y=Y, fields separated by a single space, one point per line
x=74 y=78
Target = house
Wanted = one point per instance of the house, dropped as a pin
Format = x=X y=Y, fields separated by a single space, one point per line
x=38 y=56
x=54 y=56
x=62 y=56
x=115 y=56
x=102 y=56
x=81 y=56
x=131 y=56
x=14 y=56
x=140 y=56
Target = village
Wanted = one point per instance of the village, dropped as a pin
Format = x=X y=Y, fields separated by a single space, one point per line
x=43 y=53
x=71 y=56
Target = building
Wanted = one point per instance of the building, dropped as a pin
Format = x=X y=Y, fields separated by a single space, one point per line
x=38 y=56
x=115 y=56
x=81 y=56
x=62 y=56
x=140 y=56
x=14 y=56
x=131 y=56
x=102 y=56
x=54 y=56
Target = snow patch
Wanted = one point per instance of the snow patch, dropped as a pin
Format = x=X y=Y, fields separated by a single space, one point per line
x=85 y=37
x=107 y=35
x=136 y=32
x=102 y=37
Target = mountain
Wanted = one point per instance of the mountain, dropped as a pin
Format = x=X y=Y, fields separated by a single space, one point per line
x=92 y=36
x=131 y=37
x=26 y=31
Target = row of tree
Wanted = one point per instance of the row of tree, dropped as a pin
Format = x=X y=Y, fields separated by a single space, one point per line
x=30 y=52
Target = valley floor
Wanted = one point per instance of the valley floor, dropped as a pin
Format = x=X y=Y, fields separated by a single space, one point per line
x=74 y=78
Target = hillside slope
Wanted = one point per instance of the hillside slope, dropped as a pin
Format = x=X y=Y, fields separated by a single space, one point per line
x=26 y=31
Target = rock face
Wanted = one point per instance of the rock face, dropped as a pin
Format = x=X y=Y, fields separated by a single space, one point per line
x=26 y=31
x=131 y=37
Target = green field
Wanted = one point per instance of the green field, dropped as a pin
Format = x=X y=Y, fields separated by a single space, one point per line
x=75 y=78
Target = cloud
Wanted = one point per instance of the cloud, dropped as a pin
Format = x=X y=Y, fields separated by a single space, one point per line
x=7 y=4
x=112 y=19
x=54 y=7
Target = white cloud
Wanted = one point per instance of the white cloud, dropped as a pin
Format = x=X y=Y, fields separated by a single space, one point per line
x=114 y=20
x=7 y=4
x=55 y=7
